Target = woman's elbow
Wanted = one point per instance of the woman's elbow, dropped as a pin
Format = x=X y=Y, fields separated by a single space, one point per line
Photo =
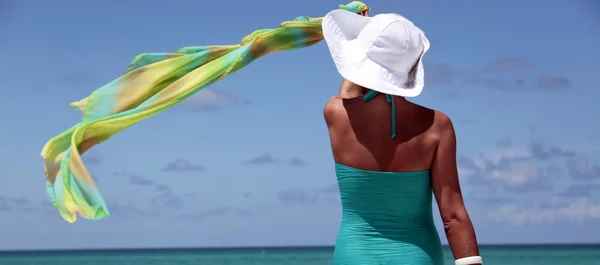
x=456 y=216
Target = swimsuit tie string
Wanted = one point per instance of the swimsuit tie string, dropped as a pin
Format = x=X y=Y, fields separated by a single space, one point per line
x=390 y=99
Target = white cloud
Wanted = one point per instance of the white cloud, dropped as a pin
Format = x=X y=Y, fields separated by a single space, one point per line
x=580 y=168
x=509 y=168
x=497 y=154
x=544 y=212
x=531 y=169
x=505 y=166
x=464 y=172
x=208 y=99
x=469 y=165
x=516 y=174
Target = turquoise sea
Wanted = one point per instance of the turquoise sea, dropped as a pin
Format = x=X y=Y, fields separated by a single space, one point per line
x=493 y=255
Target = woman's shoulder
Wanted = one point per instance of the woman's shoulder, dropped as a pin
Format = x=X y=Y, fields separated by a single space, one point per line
x=439 y=117
x=334 y=108
x=439 y=123
x=442 y=121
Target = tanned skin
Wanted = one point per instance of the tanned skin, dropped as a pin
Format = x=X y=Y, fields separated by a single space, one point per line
x=360 y=135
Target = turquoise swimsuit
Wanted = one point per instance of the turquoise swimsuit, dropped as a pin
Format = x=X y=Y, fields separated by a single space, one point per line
x=387 y=217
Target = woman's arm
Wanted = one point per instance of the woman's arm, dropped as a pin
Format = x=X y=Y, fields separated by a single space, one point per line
x=446 y=188
x=349 y=89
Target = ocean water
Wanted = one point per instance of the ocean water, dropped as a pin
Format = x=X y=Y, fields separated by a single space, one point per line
x=492 y=255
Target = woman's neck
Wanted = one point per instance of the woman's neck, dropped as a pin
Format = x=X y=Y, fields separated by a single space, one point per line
x=365 y=90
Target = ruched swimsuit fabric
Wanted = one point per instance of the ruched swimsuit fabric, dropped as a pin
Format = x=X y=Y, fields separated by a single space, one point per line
x=387 y=219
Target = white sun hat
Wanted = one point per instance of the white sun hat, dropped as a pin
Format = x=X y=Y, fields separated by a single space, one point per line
x=383 y=53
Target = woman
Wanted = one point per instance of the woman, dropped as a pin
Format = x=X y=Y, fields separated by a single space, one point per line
x=390 y=153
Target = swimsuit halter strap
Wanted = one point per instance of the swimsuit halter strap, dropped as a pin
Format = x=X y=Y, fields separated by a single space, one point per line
x=390 y=99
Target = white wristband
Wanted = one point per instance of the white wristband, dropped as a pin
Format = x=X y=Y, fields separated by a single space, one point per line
x=469 y=260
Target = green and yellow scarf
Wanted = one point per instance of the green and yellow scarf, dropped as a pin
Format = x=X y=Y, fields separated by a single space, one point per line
x=152 y=83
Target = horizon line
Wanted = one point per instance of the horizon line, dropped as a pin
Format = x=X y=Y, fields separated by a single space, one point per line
x=141 y=249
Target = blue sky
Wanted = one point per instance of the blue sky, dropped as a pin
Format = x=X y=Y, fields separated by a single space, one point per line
x=247 y=162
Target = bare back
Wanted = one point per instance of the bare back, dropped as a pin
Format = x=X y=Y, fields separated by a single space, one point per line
x=361 y=137
x=361 y=134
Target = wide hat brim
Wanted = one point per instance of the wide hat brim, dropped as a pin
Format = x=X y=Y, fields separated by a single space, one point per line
x=340 y=30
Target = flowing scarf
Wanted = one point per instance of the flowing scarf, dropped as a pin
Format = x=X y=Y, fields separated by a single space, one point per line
x=152 y=83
